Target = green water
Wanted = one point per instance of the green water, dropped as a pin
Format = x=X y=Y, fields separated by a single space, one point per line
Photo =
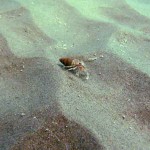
x=65 y=22
x=39 y=32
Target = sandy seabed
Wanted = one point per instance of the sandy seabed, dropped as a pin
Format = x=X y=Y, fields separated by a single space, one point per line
x=43 y=106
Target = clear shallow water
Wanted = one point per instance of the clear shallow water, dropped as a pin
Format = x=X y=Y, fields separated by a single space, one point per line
x=110 y=110
x=141 y=6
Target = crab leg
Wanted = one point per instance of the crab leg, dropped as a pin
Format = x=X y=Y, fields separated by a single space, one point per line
x=67 y=67
x=73 y=68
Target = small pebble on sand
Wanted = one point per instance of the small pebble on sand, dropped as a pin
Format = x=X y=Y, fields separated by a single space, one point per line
x=46 y=129
x=92 y=58
x=123 y=116
x=101 y=56
x=23 y=114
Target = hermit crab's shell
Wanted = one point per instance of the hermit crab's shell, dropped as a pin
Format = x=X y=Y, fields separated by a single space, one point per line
x=66 y=61
x=70 y=61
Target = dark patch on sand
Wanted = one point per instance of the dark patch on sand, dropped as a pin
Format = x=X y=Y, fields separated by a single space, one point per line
x=141 y=114
x=15 y=126
x=134 y=97
x=27 y=85
x=114 y=70
x=138 y=103
x=29 y=88
x=58 y=133
x=19 y=22
x=4 y=48
x=77 y=24
x=125 y=15
x=26 y=27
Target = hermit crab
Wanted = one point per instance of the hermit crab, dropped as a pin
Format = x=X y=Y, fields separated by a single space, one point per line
x=75 y=65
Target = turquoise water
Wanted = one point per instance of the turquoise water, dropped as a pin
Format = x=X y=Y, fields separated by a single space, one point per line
x=111 y=109
x=64 y=20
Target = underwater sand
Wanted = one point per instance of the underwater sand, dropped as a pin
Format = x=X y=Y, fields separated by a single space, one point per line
x=46 y=107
